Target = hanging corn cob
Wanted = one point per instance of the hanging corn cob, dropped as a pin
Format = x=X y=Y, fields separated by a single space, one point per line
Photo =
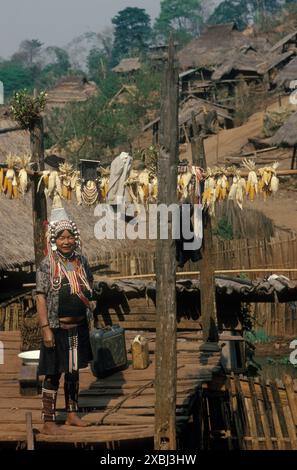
x=238 y=189
x=222 y=184
x=65 y=176
x=269 y=182
x=45 y=179
x=23 y=162
x=15 y=192
x=78 y=193
x=10 y=175
x=209 y=196
x=52 y=181
x=252 y=182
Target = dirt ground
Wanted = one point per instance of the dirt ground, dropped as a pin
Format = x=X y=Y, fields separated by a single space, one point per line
x=282 y=209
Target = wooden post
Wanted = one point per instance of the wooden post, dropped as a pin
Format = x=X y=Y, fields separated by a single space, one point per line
x=207 y=281
x=165 y=409
x=197 y=144
x=293 y=157
x=39 y=206
x=29 y=432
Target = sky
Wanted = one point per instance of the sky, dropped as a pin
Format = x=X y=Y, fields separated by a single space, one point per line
x=57 y=22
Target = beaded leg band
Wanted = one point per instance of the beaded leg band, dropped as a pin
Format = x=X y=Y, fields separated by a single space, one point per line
x=49 y=398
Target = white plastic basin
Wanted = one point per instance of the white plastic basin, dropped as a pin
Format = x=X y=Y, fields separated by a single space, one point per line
x=30 y=357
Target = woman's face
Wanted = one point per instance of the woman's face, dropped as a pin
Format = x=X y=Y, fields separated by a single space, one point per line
x=66 y=242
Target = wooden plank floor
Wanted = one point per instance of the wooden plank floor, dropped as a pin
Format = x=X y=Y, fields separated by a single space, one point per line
x=119 y=408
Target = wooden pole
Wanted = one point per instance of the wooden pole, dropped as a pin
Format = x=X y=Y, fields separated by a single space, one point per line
x=207 y=284
x=39 y=206
x=165 y=408
x=29 y=432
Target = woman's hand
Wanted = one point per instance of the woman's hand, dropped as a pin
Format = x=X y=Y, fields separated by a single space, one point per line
x=48 y=337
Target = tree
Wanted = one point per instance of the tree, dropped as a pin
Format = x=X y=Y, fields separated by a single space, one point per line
x=15 y=77
x=184 y=17
x=132 y=32
x=244 y=12
x=28 y=52
x=59 y=66
x=97 y=64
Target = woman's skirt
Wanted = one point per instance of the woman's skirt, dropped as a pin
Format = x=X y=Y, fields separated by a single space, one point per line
x=72 y=351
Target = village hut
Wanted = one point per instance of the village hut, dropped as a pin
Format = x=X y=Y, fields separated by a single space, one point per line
x=124 y=95
x=286 y=75
x=286 y=136
x=71 y=89
x=212 y=48
x=128 y=66
x=189 y=106
x=288 y=42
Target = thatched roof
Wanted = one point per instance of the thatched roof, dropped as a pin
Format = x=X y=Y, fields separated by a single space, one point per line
x=283 y=41
x=287 y=74
x=17 y=142
x=213 y=47
x=16 y=233
x=128 y=65
x=286 y=135
x=123 y=95
x=274 y=60
x=70 y=90
x=246 y=60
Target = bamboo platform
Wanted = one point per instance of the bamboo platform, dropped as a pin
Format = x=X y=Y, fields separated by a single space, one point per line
x=120 y=407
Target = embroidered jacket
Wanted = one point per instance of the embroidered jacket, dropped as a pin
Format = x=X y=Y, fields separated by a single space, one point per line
x=43 y=286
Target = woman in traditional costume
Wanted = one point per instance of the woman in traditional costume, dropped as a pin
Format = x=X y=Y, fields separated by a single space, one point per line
x=63 y=293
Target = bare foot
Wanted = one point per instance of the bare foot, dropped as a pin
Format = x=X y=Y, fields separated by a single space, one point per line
x=51 y=428
x=74 y=420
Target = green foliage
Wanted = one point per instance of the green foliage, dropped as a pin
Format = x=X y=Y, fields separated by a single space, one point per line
x=97 y=65
x=283 y=361
x=132 y=32
x=100 y=126
x=258 y=337
x=181 y=17
x=56 y=69
x=223 y=229
x=244 y=12
x=15 y=77
x=26 y=109
x=27 y=53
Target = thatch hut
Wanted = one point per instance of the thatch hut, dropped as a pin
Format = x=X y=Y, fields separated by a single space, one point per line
x=286 y=75
x=288 y=42
x=189 y=106
x=127 y=66
x=71 y=89
x=286 y=136
x=213 y=47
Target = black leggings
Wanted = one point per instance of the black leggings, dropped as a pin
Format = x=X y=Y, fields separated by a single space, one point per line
x=71 y=388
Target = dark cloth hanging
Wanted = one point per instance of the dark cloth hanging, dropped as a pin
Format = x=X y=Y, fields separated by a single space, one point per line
x=183 y=255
